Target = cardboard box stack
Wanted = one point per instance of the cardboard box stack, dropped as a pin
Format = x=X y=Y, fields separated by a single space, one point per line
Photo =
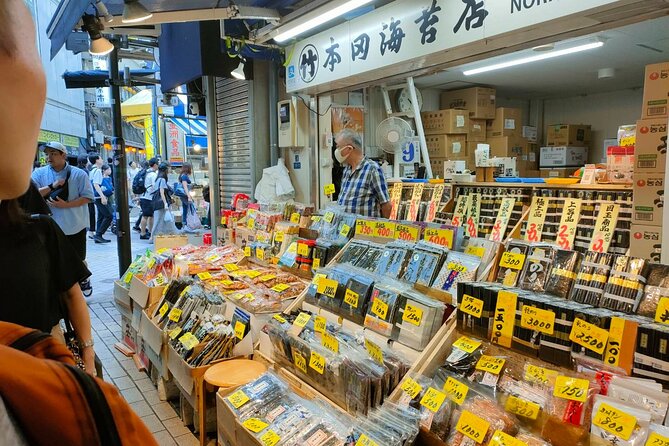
x=505 y=137
x=649 y=164
x=566 y=149
x=446 y=136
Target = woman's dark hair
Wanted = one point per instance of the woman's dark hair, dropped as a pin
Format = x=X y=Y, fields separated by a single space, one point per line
x=93 y=158
x=145 y=164
x=105 y=167
x=162 y=170
x=82 y=161
x=11 y=214
x=187 y=169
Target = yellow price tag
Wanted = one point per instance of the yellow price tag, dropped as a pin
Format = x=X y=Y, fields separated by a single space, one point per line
x=204 y=276
x=189 y=341
x=270 y=438
x=536 y=319
x=384 y=229
x=128 y=277
x=317 y=263
x=477 y=251
x=614 y=421
x=412 y=315
x=351 y=298
x=472 y=426
x=174 y=333
x=330 y=342
x=409 y=233
x=456 y=390
x=364 y=227
x=302 y=249
x=433 y=399
x=152 y=263
x=505 y=317
x=231 y=267
x=251 y=224
x=521 y=407
x=255 y=425
x=615 y=342
x=260 y=253
x=175 y=314
x=540 y=375
x=471 y=305
x=443 y=237
x=490 y=364
x=316 y=218
x=662 y=312
x=213 y=258
x=252 y=274
x=589 y=336
x=240 y=328
x=317 y=362
x=329 y=216
x=317 y=278
x=466 y=344
x=411 y=387
x=571 y=388
x=163 y=309
x=300 y=362
x=238 y=399
x=160 y=279
x=329 y=189
x=655 y=439
x=280 y=288
x=380 y=308
x=247 y=251
x=301 y=320
x=280 y=318
x=345 y=230
x=328 y=287
x=512 y=260
x=499 y=438
x=320 y=323
x=278 y=236
x=267 y=278
x=374 y=351
x=364 y=440
x=295 y=218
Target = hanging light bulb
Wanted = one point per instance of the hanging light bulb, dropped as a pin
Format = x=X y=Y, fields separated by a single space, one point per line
x=99 y=45
x=238 y=73
x=134 y=12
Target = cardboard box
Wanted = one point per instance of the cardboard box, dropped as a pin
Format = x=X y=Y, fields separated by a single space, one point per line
x=507 y=146
x=445 y=122
x=650 y=151
x=507 y=122
x=447 y=146
x=144 y=295
x=170 y=241
x=485 y=174
x=122 y=298
x=563 y=156
x=569 y=135
x=479 y=101
x=154 y=344
x=130 y=337
x=646 y=242
x=556 y=173
x=477 y=130
x=648 y=198
x=656 y=91
x=529 y=133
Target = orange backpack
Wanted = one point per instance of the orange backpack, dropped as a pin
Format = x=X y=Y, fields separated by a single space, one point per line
x=54 y=402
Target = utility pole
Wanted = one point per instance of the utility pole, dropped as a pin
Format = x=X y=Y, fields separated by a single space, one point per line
x=120 y=165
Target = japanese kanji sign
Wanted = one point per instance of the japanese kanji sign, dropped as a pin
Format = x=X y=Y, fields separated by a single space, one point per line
x=175 y=142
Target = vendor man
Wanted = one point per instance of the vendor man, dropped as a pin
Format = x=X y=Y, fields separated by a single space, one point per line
x=364 y=190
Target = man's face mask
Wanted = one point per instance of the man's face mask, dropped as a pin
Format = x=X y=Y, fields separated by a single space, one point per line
x=341 y=158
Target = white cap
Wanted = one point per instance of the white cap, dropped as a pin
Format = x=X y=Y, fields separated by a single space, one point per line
x=55 y=146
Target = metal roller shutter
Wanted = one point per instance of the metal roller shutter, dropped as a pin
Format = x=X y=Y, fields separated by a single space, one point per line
x=235 y=141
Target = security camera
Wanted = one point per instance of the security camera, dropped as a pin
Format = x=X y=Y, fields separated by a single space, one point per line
x=194 y=108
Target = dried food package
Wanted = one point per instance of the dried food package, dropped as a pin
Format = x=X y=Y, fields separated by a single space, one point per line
x=356 y=297
x=591 y=278
x=657 y=287
x=602 y=415
x=458 y=267
x=461 y=362
x=484 y=249
x=624 y=287
x=509 y=271
x=486 y=409
x=353 y=251
x=341 y=275
x=531 y=440
x=644 y=394
x=523 y=398
x=563 y=273
x=418 y=318
x=394 y=258
x=369 y=259
x=427 y=259
x=383 y=307
x=258 y=392
x=537 y=266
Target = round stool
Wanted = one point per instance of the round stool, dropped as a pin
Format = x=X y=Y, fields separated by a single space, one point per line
x=226 y=374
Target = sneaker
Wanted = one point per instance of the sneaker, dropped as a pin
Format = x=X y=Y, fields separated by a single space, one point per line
x=86 y=288
x=146 y=236
x=99 y=239
x=136 y=229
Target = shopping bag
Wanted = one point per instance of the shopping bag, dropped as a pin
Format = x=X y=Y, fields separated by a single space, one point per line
x=168 y=217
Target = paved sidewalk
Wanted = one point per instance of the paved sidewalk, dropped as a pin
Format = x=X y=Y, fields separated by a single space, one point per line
x=136 y=387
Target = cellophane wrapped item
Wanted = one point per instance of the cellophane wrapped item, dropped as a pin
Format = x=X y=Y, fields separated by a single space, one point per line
x=601 y=414
x=657 y=287
x=486 y=409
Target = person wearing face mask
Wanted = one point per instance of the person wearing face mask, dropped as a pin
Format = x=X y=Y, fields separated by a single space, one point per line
x=364 y=190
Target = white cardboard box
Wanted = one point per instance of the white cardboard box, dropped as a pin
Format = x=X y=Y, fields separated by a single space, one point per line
x=561 y=156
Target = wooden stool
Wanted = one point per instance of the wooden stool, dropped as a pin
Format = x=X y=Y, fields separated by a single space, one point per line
x=226 y=374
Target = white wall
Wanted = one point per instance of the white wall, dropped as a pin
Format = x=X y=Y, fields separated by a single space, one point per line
x=604 y=112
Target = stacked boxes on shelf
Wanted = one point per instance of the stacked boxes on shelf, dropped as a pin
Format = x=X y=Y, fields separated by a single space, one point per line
x=649 y=165
x=446 y=137
x=505 y=137
x=566 y=149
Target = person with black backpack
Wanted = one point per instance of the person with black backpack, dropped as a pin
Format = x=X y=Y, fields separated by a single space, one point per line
x=137 y=189
x=145 y=200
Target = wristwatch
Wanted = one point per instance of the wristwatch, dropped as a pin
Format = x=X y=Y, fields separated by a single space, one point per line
x=86 y=344
x=51 y=186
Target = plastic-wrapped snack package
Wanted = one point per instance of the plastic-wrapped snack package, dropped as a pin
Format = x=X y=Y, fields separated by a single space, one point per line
x=292 y=422
x=340 y=274
x=465 y=354
x=370 y=258
x=615 y=423
x=489 y=412
x=624 y=288
x=523 y=397
x=427 y=259
x=484 y=249
x=436 y=417
x=353 y=251
x=255 y=394
x=383 y=306
x=591 y=278
x=657 y=434
x=356 y=298
x=657 y=286
x=394 y=259
x=563 y=273
x=531 y=439
x=537 y=266
x=458 y=267
x=324 y=430
x=419 y=318
x=569 y=410
x=398 y=422
x=512 y=262
x=644 y=394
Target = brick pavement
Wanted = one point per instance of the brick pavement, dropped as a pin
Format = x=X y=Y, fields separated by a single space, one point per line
x=135 y=386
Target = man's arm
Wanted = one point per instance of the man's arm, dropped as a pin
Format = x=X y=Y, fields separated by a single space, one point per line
x=386 y=208
x=62 y=204
x=381 y=190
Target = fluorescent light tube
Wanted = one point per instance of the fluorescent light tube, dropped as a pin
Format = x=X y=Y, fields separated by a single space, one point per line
x=319 y=20
x=548 y=55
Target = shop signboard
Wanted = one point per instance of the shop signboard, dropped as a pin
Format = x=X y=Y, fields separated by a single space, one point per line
x=402 y=32
x=67 y=140
x=175 y=142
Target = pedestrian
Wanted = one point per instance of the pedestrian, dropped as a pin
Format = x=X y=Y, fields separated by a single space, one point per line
x=133 y=169
x=137 y=188
x=145 y=201
x=163 y=220
x=103 y=189
x=364 y=190
x=182 y=190
x=82 y=163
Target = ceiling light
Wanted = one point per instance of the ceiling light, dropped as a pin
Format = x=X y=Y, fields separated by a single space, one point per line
x=99 y=45
x=320 y=19
x=197 y=147
x=525 y=60
x=238 y=72
x=134 y=12
x=547 y=47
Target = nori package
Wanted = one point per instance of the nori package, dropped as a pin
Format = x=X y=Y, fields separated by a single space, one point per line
x=563 y=273
x=354 y=310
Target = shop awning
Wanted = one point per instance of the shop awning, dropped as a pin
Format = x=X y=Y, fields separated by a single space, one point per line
x=99 y=78
x=138 y=105
x=197 y=127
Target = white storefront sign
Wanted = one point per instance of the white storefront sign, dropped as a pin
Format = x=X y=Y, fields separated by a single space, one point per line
x=408 y=30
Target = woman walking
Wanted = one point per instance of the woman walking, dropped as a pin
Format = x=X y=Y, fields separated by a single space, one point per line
x=184 y=192
x=163 y=220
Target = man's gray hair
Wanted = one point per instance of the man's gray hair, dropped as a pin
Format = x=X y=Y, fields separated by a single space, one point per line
x=350 y=136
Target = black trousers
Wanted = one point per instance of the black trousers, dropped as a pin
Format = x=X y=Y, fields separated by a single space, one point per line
x=78 y=242
x=91 y=216
x=104 y=217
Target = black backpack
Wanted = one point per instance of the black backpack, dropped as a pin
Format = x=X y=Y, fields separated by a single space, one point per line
x=138 y=187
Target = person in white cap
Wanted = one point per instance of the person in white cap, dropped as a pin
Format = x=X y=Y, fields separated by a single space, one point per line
x=67 y=191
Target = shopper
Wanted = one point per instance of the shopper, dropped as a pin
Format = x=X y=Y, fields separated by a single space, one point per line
x=133 y=169
x=92 y=162
x=137 y=188
x=163 y=220
x=104 y=189
x=182 y=190
x=364 y=190
x=145 y=201
x=82 y=163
